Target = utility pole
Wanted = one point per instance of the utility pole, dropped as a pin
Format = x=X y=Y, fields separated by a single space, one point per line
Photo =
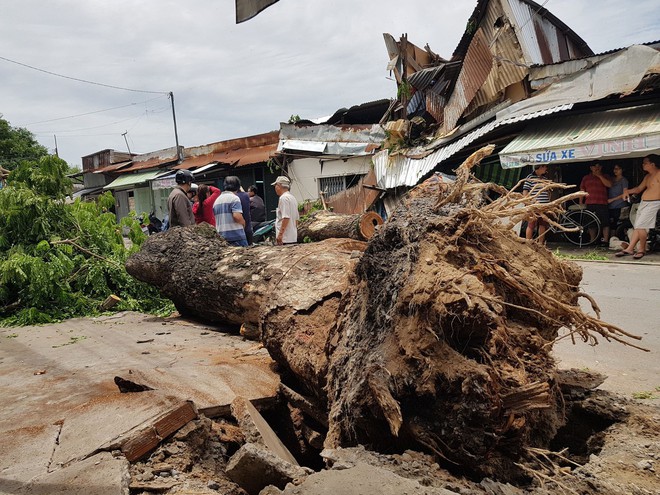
x=56 y=154
x=176 y=134
x=126 y=141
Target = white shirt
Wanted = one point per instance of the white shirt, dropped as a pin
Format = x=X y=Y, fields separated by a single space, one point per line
x=287 y=207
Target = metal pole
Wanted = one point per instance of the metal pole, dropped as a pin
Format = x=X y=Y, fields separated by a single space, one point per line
x=56 y=153
x=126 y=141
x=176 y=134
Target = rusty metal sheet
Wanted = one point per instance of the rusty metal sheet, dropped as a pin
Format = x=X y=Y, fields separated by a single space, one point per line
x=477 y=66
x=232 y=144
x=112 y=168
x=237 y=157
x=357 y=199
x=543 y=37
x=154 y=159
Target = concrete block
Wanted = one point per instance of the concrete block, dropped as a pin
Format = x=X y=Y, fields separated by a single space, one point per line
x=254 y=467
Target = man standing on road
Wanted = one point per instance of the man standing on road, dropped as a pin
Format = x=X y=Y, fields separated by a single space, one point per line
x=595 y=184
x=647 y=212
x=178 y=204
x=286 y=222
x=228 y=212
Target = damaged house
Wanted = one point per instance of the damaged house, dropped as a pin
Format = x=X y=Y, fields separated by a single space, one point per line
x=523 y=80
x=332 y=160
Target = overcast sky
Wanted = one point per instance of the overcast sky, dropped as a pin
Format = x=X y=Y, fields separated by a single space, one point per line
x=298 y=57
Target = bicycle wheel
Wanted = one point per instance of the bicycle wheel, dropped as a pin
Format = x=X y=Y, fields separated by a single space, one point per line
x=583 y=220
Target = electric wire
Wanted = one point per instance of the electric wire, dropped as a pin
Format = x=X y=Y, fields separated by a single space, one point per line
x=91 y=113
x=83 y=80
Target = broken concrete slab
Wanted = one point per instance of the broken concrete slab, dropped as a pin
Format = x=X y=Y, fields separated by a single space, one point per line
x=64 y=374
x=362 y=479
x=101 y=474
x=27 y=453
x=107 y=421
x=254 y=467
x=257 y=430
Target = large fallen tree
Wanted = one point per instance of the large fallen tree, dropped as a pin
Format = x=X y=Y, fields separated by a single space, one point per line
x=438 y=335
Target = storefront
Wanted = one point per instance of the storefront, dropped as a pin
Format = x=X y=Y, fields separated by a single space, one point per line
x=570 y=143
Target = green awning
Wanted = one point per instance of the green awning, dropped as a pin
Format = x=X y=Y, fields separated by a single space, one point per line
x=620 y=133
x=127 y=180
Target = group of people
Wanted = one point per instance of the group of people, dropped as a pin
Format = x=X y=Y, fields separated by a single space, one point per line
x=606 y=196
x=232 y=211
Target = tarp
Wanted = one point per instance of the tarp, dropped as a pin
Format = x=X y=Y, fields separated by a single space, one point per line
x=626 y=132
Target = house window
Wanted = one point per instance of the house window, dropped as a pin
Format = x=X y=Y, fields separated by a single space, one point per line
x=333 y=185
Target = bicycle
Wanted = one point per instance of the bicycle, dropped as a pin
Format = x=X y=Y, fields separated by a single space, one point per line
x=574 y=225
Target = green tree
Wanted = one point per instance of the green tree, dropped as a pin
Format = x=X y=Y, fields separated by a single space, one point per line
x=16 y=145
x=59 y=260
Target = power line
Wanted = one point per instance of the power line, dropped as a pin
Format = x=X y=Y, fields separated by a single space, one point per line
x=88 y=128
x=90 y=113
x=84 y=80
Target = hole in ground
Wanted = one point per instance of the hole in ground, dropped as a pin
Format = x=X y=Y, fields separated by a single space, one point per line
x=582 y=435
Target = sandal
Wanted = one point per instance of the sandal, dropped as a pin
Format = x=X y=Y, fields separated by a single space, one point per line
x=622 y=253
x=638 y=256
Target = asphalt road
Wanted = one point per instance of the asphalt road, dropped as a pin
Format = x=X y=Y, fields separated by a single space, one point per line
x=629 y=296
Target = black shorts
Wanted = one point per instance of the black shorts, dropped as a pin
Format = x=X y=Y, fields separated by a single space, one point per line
x=602 y=212
x=614 y=213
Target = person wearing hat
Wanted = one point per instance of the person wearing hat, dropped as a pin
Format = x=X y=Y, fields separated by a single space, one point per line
x=192 y=192
x=286 y=219
x=534 y=185
x=178 y=204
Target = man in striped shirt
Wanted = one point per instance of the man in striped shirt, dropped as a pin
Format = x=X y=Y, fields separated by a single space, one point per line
x=533 y=186
x=228 y=212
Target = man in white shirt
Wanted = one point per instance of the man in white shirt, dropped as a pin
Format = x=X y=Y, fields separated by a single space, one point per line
x=286 y=222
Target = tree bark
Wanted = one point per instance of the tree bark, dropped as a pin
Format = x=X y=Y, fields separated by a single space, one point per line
x=327 y=225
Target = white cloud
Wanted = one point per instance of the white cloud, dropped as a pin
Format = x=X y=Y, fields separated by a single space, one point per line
x=304 y=57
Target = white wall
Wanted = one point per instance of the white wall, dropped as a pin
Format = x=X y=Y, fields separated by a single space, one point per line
x=304 y=173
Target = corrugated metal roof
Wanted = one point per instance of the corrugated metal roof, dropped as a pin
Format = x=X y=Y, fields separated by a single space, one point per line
x=112 y=168
x=154 y=159
x=236 y=158
x=476 y=67
x=619 y=73
x=480 y=10
x=625 y=132
x=400 y=170
x=128 y=180
x=331 y=139
x=425 y=77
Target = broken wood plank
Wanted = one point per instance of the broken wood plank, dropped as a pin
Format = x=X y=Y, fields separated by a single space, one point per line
x=147 y=439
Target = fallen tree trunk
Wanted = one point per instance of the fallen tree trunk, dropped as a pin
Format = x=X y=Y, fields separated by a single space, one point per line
x=439 y=336
x=292 y=292
x=323 y=224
